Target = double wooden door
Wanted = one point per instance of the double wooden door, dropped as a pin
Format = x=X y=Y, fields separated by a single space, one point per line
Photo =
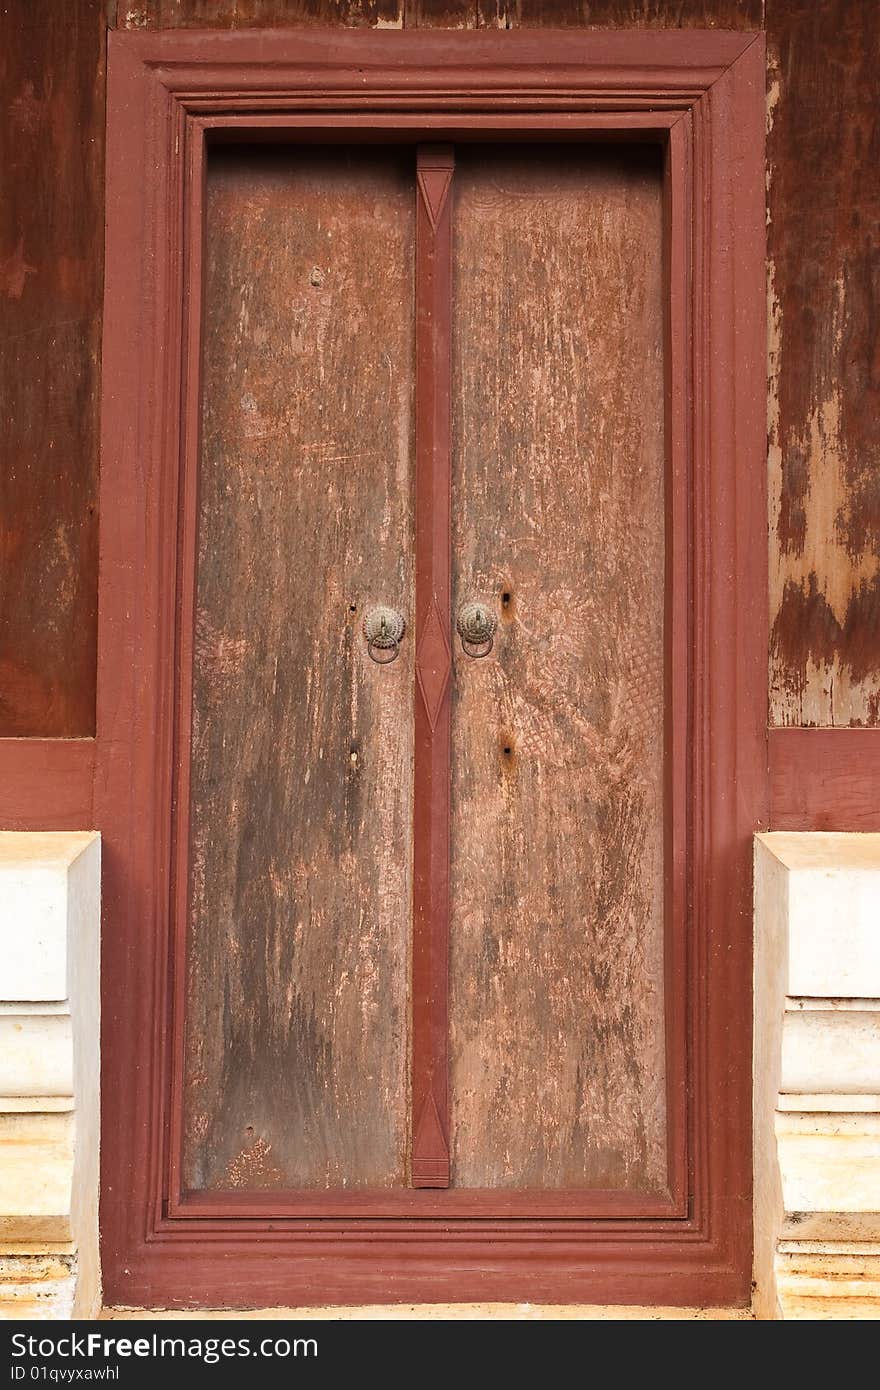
x=429 y=900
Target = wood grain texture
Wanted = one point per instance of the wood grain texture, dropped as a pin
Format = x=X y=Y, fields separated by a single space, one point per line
x=823 y=194
x=557 y=1023
x=624 y=14
x=824 y=252
x=51 y=173
x=297 y=1041
x=441 y=14
x=29 y=765
x=253 y=14
x=824 y=779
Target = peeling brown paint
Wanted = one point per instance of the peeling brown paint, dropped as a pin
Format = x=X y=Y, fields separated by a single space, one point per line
x=791 y=526
x=810 y=647
x=860 y=635
x=824 y=249
x=805 y=631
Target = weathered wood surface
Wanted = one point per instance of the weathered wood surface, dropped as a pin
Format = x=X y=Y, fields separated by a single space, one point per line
x=824 y=189
x=443 y=14
x=241 y=14
x=51 y=173
x=824 y=252
x=824 y=210
x=557 y=1016
x=298 y=978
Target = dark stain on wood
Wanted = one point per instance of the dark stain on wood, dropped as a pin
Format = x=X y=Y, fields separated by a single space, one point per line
x=557 y=1020
x=297 y=1043
x=813 y=646
x=824 y=250
x=51 y=168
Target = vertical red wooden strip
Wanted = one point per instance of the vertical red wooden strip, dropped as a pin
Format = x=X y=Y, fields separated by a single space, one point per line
x=430 y=1142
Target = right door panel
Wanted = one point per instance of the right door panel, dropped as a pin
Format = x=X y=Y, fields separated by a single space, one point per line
x=557 y=1012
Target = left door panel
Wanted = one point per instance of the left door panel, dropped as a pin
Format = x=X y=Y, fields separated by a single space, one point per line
x=299 y=809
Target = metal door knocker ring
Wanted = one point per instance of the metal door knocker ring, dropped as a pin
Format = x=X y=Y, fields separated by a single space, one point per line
x=476 y=627
x=383 y=629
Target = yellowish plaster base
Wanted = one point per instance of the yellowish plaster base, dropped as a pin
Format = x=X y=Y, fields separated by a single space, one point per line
x=448 y=1312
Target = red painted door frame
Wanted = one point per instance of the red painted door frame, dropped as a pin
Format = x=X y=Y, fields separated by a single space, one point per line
x=701 y=96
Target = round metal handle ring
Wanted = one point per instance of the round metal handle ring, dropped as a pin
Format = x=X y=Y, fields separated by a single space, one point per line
x=476 y=627
x=383 y=628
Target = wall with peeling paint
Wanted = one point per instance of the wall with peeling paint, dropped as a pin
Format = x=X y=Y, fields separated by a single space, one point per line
x=824 y=317
x=823 y=306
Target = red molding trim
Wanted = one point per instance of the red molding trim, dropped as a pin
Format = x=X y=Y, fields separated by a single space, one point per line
x=702 y=96
x=46 y=783
x=824 y=779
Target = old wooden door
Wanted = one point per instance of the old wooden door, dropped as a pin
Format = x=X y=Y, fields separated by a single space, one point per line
x=430 y=885
x=431 y=718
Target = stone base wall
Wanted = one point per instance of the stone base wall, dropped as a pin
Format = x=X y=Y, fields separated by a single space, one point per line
x=37 y=1286
x=49 y=1074
x=817 y=1076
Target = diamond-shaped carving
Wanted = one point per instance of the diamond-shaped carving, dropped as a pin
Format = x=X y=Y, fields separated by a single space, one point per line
x=434 y=184
x=433 y=661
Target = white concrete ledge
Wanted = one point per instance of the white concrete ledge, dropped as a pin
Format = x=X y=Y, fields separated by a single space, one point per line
x=831 y=1050
x=36 y=1052
x=833 y=921
x=49 y=1074
x=817 y=1075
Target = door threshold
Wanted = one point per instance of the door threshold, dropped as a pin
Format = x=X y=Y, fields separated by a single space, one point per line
x=446 y=1312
